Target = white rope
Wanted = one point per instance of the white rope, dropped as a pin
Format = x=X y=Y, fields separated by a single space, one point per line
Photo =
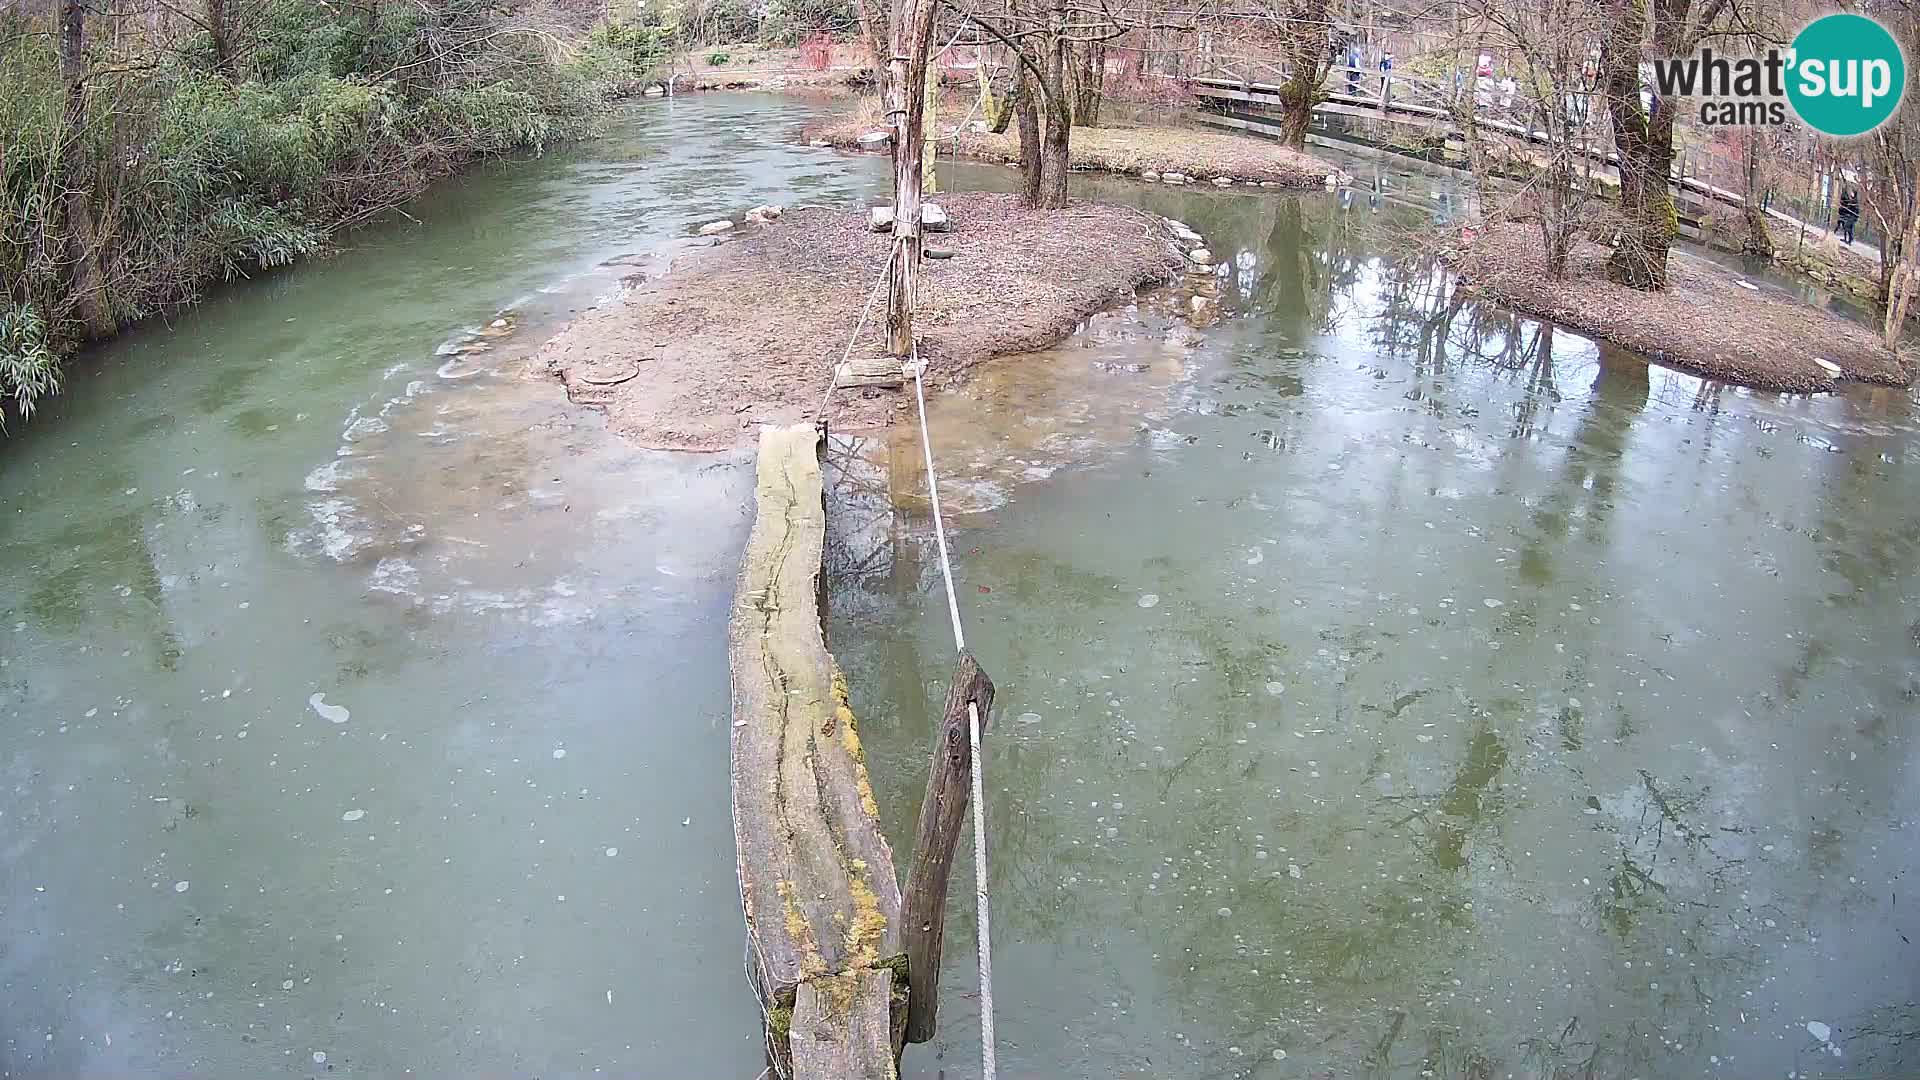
x=886 y=271
x=933 y=496
x=989 y=1064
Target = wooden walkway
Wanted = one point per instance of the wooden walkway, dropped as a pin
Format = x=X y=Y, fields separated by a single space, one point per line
x=1427 y=105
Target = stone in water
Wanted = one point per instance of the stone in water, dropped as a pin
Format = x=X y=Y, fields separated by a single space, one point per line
x=1276 y=688
x=1819 y=1031
x=1148 y=600
x=353 y=815
x=337 y=714
x=181 y=886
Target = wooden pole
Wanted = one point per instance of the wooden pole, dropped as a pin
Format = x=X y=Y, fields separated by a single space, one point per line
x=906 y=105
x=943 y=811
x=930 y=127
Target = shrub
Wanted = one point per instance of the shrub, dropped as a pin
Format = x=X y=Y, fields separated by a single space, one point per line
x=719 y=21
x=641 y=45
x=187 y=177
x=715 y=59
x=29 y=368
x=792 y=22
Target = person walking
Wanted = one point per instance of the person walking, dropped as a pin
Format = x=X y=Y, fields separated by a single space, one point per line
x=1849 y=213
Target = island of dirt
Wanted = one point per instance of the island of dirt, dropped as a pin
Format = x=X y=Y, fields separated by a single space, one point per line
x=1704 y=322
x=1188 y=154
x=749 y=331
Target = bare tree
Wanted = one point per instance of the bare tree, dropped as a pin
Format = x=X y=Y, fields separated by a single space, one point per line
x=1306 y=30
x=1549 y=40
x=1891 y=160
x=906 y=98
x=1043 y=39
x=1643 y=143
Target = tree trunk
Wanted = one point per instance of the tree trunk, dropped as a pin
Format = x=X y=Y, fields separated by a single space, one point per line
x=1903 y=281
x=220 y=34
x=370 y=29
x=1089 y=76
x=1644 y=146
x=1759 y=238
x=88 y=283
x=906 y=104
x=1026 y=110
x=876 y=32
x=1309 y=38
x=1058 y=111
x=1054 y=161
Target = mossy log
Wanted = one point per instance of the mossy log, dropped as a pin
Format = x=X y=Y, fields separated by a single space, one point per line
x=816 y=876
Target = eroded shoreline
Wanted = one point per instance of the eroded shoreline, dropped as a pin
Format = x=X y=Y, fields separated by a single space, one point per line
x=748 y=331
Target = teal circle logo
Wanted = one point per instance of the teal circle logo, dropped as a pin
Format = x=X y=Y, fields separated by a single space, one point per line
x=1847 y=76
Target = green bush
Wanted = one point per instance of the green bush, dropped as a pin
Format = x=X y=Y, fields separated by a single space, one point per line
x=788 y=22
x=29 y=368
x=638 y=47
x=715 y=59
x=190 y=177
x=719 y=21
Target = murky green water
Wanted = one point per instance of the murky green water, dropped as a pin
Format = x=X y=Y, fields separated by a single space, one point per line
x=513 y=855
x=1413 y=693
x=1382 y=683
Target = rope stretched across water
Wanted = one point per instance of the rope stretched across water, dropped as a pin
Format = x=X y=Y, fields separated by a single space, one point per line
x=886 y=270
x=984 y=938
x=989 y=1065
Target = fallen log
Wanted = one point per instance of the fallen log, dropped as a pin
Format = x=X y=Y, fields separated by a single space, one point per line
x=817 y=878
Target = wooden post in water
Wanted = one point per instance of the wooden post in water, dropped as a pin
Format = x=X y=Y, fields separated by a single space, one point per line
x=942 y=813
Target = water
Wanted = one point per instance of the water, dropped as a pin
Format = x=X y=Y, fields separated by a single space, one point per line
x=1234 y=583
x=1401 y=689
x=514 y=854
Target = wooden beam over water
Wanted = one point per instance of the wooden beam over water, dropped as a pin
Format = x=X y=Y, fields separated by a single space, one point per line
x=816 y=876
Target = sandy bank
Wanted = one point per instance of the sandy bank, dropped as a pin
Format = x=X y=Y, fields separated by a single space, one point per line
x=1705 y=322
x=1197 y=156
x=748 y=332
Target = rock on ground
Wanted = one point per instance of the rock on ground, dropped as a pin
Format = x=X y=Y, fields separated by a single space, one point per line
x=749 y=332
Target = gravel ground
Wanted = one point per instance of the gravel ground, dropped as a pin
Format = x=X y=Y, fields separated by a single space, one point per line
x=748 y=332
x=1199 y=155
x=1703 y=322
